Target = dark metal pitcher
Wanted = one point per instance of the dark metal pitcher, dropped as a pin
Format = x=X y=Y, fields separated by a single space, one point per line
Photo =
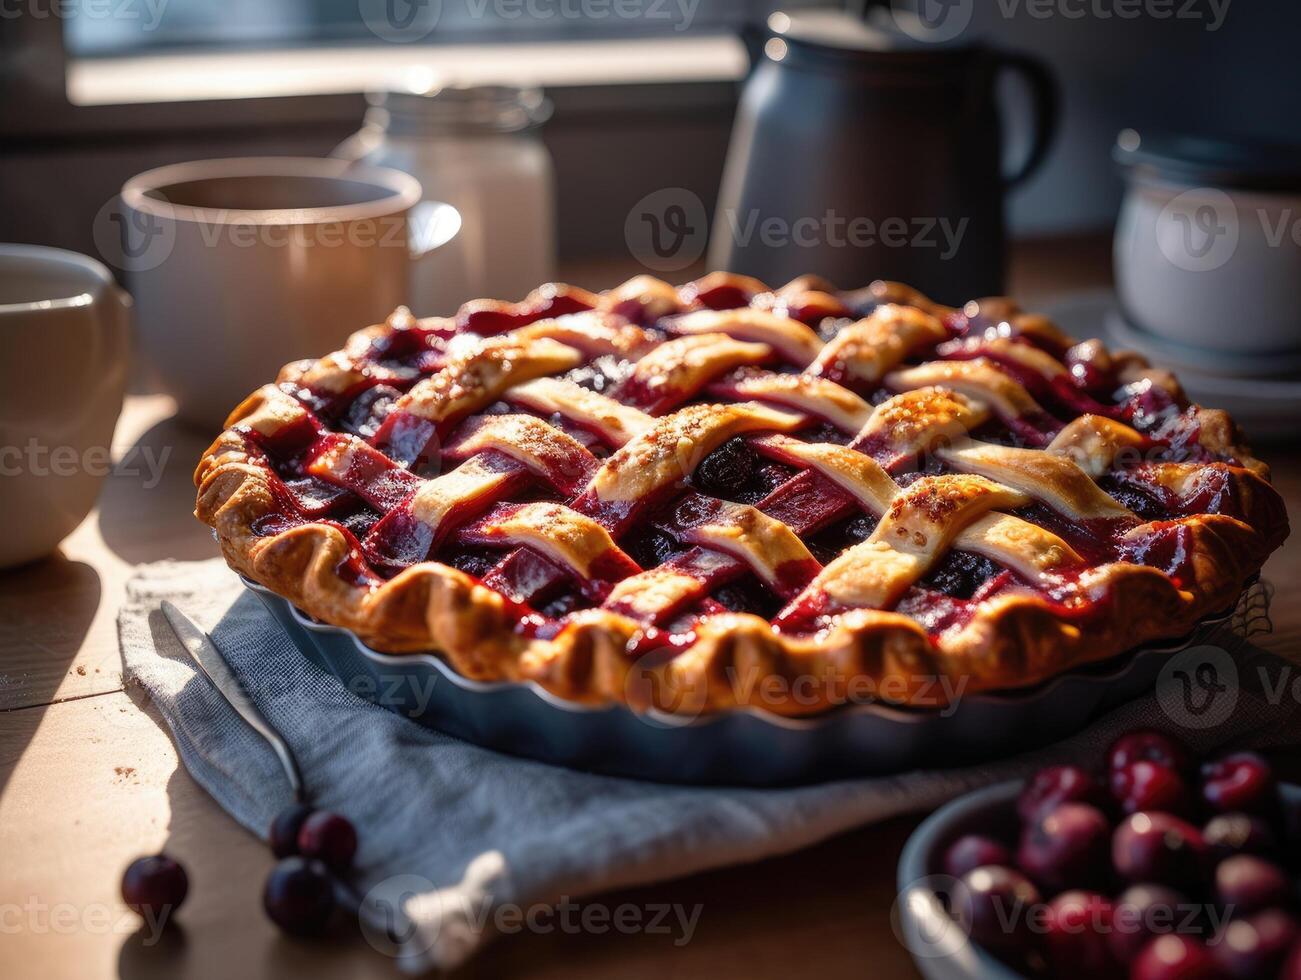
x=863 y=154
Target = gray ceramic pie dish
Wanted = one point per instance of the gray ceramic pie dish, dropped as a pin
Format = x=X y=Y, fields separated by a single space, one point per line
x=749 y=746
x=939 y=947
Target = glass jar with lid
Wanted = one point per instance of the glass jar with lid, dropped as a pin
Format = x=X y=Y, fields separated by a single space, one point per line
x=477 y=148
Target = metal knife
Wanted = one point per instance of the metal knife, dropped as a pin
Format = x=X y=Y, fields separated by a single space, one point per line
x=213 y=665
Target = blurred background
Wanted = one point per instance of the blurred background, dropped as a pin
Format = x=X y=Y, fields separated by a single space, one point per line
x=644 y=91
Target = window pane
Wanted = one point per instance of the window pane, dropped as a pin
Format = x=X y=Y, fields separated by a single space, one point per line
x=110 y=27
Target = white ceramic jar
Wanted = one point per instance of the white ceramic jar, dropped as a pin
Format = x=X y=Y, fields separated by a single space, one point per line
x=478 y=149
x=1208 y=244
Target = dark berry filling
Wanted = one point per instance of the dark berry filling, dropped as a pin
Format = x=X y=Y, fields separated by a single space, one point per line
x=960 y=574
x=748 y=595
x=828 y=543
x=650 y=547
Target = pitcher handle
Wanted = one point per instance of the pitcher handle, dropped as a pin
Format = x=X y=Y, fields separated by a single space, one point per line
x=1045 y=100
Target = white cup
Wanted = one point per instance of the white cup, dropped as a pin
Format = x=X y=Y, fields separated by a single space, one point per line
x=240 y=266
x=65 y=337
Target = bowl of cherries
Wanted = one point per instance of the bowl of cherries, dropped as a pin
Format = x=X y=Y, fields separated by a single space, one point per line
x=1154 y=865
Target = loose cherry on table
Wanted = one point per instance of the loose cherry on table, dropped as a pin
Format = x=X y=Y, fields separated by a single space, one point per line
x=283 y=835
x=155 y=887
x=299 y=896
x=329 y=837
x=313 y=845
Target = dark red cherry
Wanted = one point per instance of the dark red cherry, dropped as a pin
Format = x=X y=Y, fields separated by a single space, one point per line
x=973 y=851
x=1175 y=957
x=1227 y=834
x=1143 y=912
x=1240 y=781
x=1076 y=927
x=1245 y=883
x=1066 y=848
x=1159 y=848
x=1255 y=946
x=283 y=835
x=1145 y=745
x=299 y=896
x=1145 y=785
x=154 y=887
x=1057 y=784
x=994 y=904
x=329 y=837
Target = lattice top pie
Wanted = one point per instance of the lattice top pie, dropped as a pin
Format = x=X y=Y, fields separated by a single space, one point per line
x=752 y=496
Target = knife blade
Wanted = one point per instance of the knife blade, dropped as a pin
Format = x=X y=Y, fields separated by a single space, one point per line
x=213 y=665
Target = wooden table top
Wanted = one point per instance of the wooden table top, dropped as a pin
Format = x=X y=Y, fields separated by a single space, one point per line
x=89 y=778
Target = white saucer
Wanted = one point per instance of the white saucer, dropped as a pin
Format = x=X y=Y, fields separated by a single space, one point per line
x=1265 y=408
x=1273 y=366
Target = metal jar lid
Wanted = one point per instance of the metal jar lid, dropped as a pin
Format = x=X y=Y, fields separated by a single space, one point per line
x=459 y=109
x=1199 y=161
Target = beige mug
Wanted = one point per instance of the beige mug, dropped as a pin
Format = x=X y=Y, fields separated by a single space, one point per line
x=65 y=337
x=239 y=266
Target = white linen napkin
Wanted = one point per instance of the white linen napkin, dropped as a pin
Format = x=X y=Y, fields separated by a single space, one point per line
x=464 y=839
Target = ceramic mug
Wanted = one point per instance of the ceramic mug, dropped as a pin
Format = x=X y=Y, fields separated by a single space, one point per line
x=240 y=266
x=64 y=332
